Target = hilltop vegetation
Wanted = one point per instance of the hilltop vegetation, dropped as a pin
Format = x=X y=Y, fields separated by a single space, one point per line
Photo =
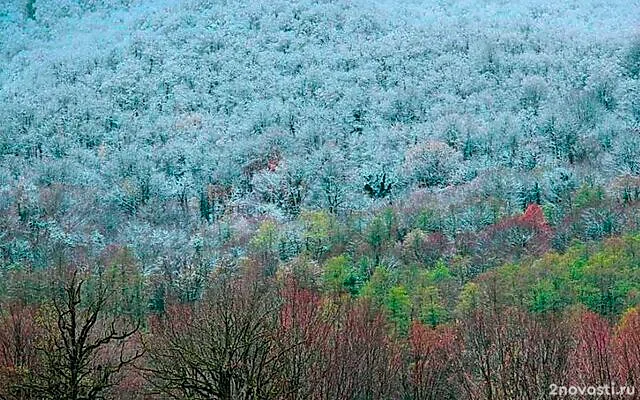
x=168 y=118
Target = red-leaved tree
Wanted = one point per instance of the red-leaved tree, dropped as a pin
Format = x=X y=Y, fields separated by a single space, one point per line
x=592 y=361
x=627 y=348
x=515 y=237
x=431 y=361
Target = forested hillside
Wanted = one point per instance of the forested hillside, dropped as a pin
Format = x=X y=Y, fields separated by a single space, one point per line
x=318 y=199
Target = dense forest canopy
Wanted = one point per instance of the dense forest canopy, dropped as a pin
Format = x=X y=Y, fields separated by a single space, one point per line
x=163 y=114
x=424 y=178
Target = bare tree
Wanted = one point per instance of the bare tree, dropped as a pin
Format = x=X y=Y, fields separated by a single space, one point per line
x=84 y=346
x=223 y=347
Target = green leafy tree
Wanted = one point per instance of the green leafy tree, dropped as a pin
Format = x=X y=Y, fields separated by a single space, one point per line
x=341 y=276
x=319 y=228
x=432 y=310
x=398 y=305
x=264 y=245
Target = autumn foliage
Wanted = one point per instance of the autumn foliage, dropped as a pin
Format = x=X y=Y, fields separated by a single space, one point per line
x=431 y=361
x=528 y=234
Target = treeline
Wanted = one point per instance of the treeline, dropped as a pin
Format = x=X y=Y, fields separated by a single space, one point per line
x=443 y=239
x=78 y=333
